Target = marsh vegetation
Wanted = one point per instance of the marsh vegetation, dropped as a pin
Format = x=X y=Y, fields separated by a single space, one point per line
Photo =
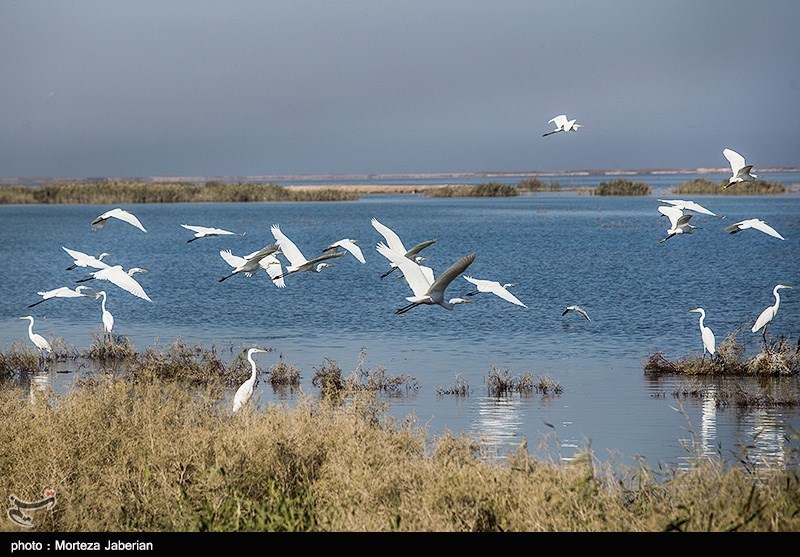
x=704 y=186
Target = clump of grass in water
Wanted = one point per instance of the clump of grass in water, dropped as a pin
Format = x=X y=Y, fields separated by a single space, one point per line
x=110 y=348
x=460 y=388
x=500 y=383
x=20 y=358
x=328 y=379
x=284 y=376
x=378 y=380
x=704 y=186
x=62 y=350
x=183 y=362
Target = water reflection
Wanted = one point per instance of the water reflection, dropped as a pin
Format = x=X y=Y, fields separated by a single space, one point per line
x=708 y=423
x=498 y=421
x=766 y=435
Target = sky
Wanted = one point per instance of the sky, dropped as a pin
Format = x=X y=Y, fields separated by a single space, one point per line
x=286 y=87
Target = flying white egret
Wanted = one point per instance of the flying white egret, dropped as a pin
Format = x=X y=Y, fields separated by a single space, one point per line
x=121 y=214
x=206 y=232
x=250 y=264
x=81 y=259
x=121 y=278
x=740 y=170
x=270 y=264
x=393 y=242
x=62 y=292
x=678 y=222
x=108 y=319
x=768 y=314
x=38 y=341
x=685 y=205
x=245 y=391
x=562 y=124
x=576 y=309
x=350 y=245
x=495 y=288
x=755 y=224
x=297 y=261
x=709 y=342
x=426 y=291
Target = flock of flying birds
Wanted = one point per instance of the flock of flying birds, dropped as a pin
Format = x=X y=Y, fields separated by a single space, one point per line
x=426 y=288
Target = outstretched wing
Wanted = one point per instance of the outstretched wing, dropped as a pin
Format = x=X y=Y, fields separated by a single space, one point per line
x=419 y=247
x=559 y=121
x=272 y=265
x=672 y=213
x=413 y=273
x=392 y=239
x=766 y=229
x=350 y=246
x=120 y=214
x=735 y=159
x=450 y=274
x=289 y=249
x=118 y=276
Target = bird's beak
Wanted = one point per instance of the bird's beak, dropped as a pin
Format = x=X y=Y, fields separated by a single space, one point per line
x=144 y=270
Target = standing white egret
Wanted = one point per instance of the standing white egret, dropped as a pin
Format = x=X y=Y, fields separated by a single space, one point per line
x=393 y=242
x=426 y=291
x=494 y=287
x=81 y=259
x=768 y=314
x=245 y=391
x=121 y=214
x=686 y=205
x=38 y=341
x=350 y=245
x=270 y=264
x=124 y=279
x=248 y=265
x=678 y=222
x=755 y=224
x=709 y=342
x=576 y=309
x=108 y=319
x=62 y=292
x=206 y=232
x=740 y=171
x=562 y=124
x=297 y=261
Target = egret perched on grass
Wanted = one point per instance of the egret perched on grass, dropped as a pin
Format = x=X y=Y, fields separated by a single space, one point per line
x=562 y=124
x=270 y=263
x=494 y=287
x=426 y=291
x=81 y=259
x=121 y=278
x=350 y=245
x=709 y=342
x=62 y=292
x=108 y=319
x=685 y=205
x=297 y=261
x=393 y=242
x=678 y=222
x=768 y=314
x=576 y=309
x=249 y=264
x=121 y=214
x=206 y=232
x=245 y=391
x=38 y=341
x=755 y=224
x=740 y=170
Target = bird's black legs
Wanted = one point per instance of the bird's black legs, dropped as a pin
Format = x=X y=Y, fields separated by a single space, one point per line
x=389 y=272
x=85 y=279
x=475 y=293
x=406 y=308
x=226 y=277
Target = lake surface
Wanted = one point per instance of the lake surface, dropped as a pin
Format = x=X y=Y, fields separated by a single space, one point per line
x=602 y=253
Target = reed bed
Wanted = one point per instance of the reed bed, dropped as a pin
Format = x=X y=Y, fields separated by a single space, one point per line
x=704 y=186
x=620 y=186
x=486 y=189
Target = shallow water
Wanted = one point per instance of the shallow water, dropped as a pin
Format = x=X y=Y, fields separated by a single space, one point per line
x=559 y=248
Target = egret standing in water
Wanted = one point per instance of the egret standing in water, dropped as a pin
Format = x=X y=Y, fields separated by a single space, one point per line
x=38 y=341
x=768 y=314
x=108 y=319
x=709 y=342
x=245 y=391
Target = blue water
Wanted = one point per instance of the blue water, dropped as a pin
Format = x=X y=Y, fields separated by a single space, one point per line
x=602 y=253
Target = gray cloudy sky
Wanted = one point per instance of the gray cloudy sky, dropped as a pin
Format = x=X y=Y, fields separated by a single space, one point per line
x=121 y=88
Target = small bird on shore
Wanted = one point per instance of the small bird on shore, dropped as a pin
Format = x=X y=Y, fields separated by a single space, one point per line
x=121 y=214
x=576 y=309
x=755 y=224
x=741 y=172
x=562 y=124
x=206 y=232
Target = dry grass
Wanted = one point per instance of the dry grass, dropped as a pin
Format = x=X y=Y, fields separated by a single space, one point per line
x=284 y=377
x=20 y=358
x=704 y=186
x=459 y=388
x=500 y=383
x=128 y=455
x=110 y=348
x=333 y=385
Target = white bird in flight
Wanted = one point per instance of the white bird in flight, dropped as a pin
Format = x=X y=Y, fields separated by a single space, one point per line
x=121 y=214
x=576 y=309
x=297 y=261
x=350 y=245
x=426 y=291
x=38 y=340
x=250 y=264
x=121 y=278
x=768 y=314
x=62 y=292
x=755 y=224
x=245 y=391
x=81 y=259
x=494 y=287
x=108 y=319
x=678 y=222
x=562 y=124
x=394 y=243
x=206 y=232
x=709 y=342
x=741 y=172
x=270 y=264
x=685 y=205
